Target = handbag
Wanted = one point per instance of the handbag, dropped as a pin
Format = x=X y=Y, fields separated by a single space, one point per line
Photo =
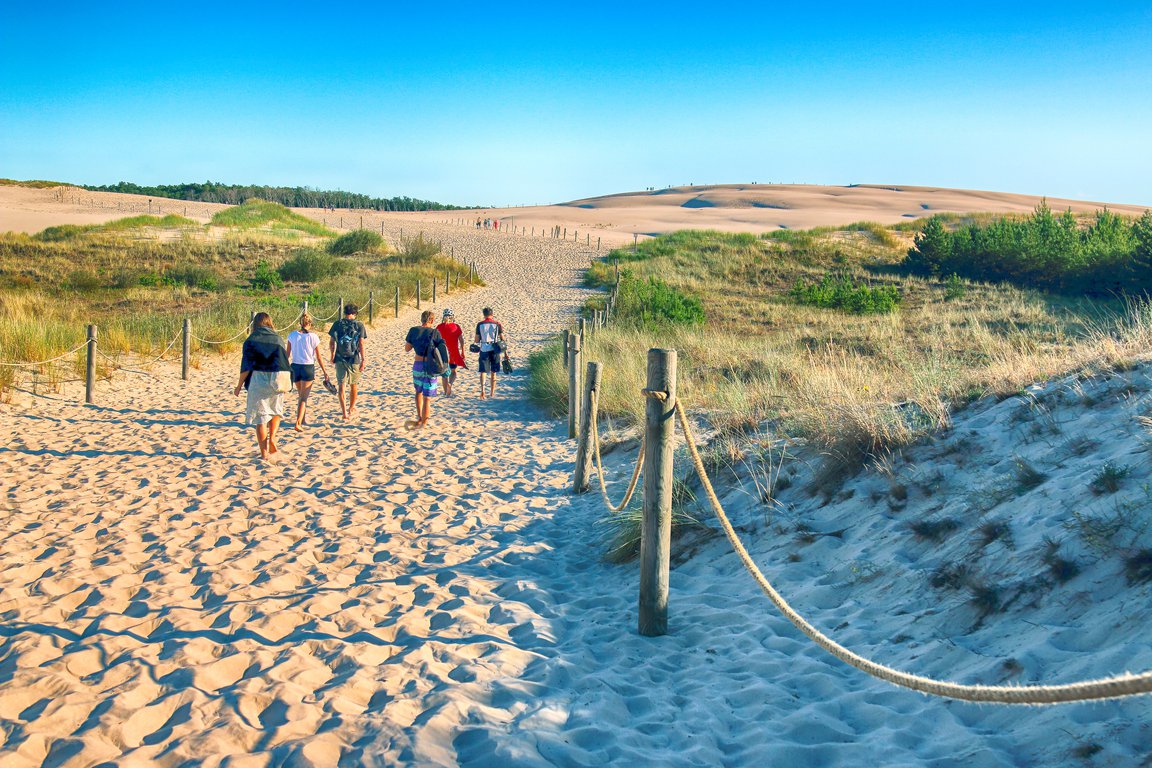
x=283 y=382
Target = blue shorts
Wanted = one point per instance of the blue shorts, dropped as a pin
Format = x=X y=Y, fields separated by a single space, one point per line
x=425 y=382
x=490 y=361
x=301 y=372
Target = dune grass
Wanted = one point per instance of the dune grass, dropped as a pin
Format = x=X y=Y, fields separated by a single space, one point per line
x=858 y=385
x=261 y=214
x=138 y=279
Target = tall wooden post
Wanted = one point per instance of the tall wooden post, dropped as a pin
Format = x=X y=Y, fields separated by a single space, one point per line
x=305 y=306
x=371 y=304
x=397 y=302
x=340 y=313
x=656 y=529
x=584 y=449
x=90 y=372
x=186 y=353
x=567 y=342
x=251 y=320
x=447 y=277
x=417 y=294
x=434 y=283
x=573 y=384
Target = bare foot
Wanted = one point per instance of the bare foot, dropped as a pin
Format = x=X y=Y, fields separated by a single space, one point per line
x=272 y=448
x=298 y=428
x=412 y=424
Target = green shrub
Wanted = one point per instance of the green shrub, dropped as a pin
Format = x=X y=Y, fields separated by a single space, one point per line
x=265 y=278
x=839 y=291
x=193 y=276
x=356 y=241
x=418 y=248
x=654 y=302
x=64 y=232
x=309 y=265
x=954 y=287
x=83 y=280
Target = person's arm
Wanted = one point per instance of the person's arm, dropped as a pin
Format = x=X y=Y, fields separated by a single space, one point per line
x=332 y=349
x=360 y=346
x=289 y=349
x=240 y=383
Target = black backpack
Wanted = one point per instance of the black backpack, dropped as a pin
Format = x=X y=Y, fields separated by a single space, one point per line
x=347 y=336
x=434 y=362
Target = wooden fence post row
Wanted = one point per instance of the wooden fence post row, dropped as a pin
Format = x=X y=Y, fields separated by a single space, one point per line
x=656 y=531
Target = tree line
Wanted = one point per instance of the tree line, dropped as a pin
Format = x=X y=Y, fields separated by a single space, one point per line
x=1111 y=255
x=293 y=197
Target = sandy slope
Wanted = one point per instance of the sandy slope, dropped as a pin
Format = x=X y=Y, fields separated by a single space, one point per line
x=383 y=597
x=613 y=219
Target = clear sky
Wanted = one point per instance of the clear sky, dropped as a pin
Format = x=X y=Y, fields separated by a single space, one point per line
x=504 y=104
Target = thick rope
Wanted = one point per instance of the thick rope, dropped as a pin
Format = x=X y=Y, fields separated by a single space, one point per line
x=72 y=351
x=1088 y=690
x=595 y=438
x=291 y=323
x=223 y=341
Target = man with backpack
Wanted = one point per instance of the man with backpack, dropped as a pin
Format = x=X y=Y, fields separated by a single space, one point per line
x=490 y=337
x=430 y=364
x=346 y=345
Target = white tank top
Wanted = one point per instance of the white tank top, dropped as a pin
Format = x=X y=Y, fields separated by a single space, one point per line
x=303 y=347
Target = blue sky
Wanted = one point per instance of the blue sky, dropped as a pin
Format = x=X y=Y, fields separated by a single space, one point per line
x=522 y=104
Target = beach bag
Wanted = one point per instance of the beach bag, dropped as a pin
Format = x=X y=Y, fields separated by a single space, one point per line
x=347 y=335
x=434 y=362
x=283 y=381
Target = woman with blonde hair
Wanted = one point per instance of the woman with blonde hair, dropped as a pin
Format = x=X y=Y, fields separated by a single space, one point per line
x=302 y=345
x=264 y=372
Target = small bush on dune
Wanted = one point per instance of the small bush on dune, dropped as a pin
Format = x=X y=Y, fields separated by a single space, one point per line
x=418 y=248
x=64 y=232
x=842 y=292
x=356 y=241
x=653 y=302
x=309 y=265
x=265 y=278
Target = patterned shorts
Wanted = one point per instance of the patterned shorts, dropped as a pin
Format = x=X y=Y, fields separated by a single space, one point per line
x=427 y=384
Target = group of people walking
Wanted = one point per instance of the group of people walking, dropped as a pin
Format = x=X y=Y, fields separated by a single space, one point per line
x=487 y=223
x=271 y=367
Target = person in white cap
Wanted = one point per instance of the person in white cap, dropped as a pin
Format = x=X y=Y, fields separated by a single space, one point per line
x=453 y=336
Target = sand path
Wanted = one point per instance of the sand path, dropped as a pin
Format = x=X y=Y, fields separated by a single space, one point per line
x=165 y=597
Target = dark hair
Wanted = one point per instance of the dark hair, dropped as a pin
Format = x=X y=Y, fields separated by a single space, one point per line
x=350 y=309
x=487 y=311
x=262 y=318
x=427 y=315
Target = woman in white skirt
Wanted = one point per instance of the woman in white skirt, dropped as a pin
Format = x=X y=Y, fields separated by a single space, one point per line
x=264 y=372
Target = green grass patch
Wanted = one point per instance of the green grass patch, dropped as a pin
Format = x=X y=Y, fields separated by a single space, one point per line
x=841 y=291
x=261 y=214
x=356 y=241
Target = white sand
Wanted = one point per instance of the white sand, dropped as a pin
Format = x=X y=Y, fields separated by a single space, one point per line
x=384 y=597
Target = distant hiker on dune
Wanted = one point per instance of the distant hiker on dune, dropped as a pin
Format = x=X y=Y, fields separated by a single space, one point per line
x=302 y=345
x=490 y=338
x=264 y=372
x=346 y=346
x=430 y=363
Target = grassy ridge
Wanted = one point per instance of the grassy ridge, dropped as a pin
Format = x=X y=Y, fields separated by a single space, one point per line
x=138 y=279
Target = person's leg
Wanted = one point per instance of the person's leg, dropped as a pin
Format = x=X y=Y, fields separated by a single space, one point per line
x=492 y=384
x=481 y=367
x=426 y=410
x=262 y=440
x=446 y=383
x=343 y=406
x=306 y=391
x=352 y=399
x=300 y=400
x=273 y=425
x=418 y=396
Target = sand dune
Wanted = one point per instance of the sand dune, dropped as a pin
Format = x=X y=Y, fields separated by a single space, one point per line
x=613 y=219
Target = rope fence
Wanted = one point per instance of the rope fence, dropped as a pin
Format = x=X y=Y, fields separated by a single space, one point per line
x=663 y=410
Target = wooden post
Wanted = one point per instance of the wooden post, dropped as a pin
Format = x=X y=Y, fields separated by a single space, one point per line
x=381 y=229
x=566 y=341
x=341 y=222
x=656 y=529
x=361 y=222
x=90 y=373
x=584 y=448
x=340 y=313
x=447 y=278
x=251 y=320
x=371 y=302
x=573 y=384
x=305 y=306
x=434 y=283
x=186 y=355
x=417 y=294
x=397 y=302
x=597 y=245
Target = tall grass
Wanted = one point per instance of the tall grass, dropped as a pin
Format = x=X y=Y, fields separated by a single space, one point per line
x=857 y=385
